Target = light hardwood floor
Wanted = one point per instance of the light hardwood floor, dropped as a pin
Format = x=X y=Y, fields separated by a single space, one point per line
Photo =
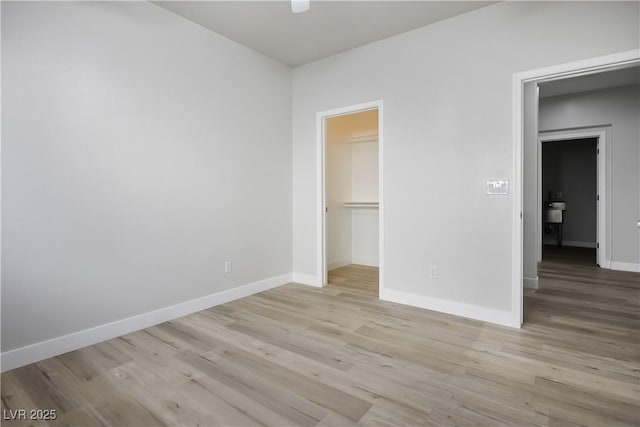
x=337 y=356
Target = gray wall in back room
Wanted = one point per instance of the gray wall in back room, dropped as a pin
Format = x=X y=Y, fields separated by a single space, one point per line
x=570 y=167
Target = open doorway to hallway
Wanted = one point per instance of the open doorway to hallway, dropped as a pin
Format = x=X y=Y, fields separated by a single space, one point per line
x=351 y=147
x=582 y=161
x=570 y=200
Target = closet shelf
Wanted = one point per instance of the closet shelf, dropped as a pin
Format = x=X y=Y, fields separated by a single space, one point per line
x=363 y=138
x=370 y=205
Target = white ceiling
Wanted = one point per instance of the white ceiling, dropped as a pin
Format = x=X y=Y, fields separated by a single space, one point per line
x=329 y=27
x=604 y=80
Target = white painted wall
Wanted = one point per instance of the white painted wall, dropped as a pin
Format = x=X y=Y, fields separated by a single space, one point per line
x=365 y=237
x=620 y=108
x=338 y=192
x=364 y=171
x=364 y=188
x=448 y=127
x=139 y=152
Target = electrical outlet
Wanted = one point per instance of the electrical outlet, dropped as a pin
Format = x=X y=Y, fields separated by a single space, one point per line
x=227 y=267
x=433 y=271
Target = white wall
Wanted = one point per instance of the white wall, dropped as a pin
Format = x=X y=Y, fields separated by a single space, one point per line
x=620 y=108
x=139 y=152
x=364 y=171
x=365 y=236
x=364 y=188
x=337 y=192
x=447 y=128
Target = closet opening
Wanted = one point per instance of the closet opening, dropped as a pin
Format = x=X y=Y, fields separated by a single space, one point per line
x=351 y=199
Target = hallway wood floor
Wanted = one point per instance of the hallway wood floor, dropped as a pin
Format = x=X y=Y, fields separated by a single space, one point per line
x=337 y=356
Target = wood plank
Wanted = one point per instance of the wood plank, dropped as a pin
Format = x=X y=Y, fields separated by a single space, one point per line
x=298 y=355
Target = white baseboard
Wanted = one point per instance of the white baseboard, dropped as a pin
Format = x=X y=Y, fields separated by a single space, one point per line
x=368 y=261
x=307 y=279
x=43 y=350
x=500 y=317
x=577 y=244
x=332 y=265
x=625 y=266
x=530 y=282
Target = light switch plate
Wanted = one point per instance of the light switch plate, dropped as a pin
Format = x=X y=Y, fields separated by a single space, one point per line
x=497 y=186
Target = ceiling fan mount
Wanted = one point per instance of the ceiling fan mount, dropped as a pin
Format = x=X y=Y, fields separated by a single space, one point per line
x=299 y=6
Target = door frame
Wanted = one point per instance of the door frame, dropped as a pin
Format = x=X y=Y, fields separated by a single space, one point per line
x=555 y=72
x=603 y=232
x=321 y=118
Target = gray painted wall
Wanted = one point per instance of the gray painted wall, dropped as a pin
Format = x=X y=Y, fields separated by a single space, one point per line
x=139 y=152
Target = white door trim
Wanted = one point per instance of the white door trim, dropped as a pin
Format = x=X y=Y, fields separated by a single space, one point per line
x=603 y=135
x=321 y=184
x=555 y=72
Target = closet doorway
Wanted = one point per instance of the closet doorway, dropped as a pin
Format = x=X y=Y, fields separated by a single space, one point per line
x=351 y=207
